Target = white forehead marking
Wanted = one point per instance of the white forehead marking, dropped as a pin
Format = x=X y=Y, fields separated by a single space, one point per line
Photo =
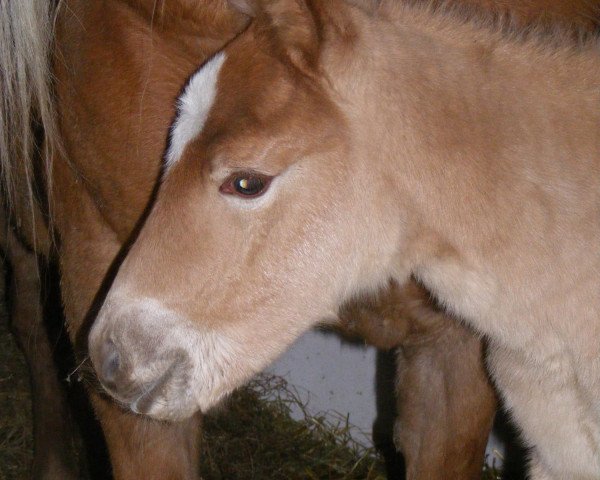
x=193 y=107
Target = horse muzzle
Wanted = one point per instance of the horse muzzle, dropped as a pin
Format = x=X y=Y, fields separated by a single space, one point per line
x=143 y=357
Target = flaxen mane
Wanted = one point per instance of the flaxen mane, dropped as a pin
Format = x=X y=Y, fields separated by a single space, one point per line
x=28 y=130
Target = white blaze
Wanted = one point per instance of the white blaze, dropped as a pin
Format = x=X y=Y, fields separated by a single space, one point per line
x=193 y=107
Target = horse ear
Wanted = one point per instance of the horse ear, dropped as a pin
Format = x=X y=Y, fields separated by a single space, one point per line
x=292 y=27
x=295 y=26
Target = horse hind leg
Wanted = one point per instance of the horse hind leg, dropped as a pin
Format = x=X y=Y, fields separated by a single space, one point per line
x=52 y=430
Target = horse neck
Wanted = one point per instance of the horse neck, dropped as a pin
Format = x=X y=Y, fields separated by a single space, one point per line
x=493 y=145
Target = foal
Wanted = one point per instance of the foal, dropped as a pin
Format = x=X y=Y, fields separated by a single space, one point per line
x=329 y=149
x=118 y=68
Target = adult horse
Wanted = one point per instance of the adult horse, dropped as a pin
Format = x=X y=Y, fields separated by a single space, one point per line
x=118 y=66
x=330 y=148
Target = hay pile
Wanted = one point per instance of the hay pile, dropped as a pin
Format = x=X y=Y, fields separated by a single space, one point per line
x=255 y=438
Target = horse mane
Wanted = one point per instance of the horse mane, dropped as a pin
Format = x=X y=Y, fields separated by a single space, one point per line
x=541 y=33
x=28 y=128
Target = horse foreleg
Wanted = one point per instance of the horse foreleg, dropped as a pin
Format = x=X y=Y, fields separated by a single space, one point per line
x=548 y=398
x=53 y=435
x=445 y=402
x=143 y=448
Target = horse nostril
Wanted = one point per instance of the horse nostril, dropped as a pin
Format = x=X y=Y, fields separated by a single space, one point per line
x=111 y=362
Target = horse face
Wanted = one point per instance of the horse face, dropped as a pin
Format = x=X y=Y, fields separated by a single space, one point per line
x=263 y=225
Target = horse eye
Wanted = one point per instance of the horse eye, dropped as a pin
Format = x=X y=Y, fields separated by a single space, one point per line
x=248 y=185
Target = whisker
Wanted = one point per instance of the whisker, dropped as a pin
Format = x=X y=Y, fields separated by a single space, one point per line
x=76 y=369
